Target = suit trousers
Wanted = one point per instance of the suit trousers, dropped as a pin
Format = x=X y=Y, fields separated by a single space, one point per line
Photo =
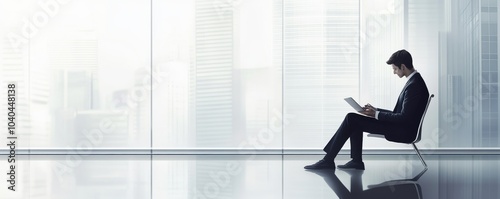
x=353 y=127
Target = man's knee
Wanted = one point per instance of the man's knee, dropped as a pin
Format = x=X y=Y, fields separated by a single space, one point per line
x=351 y=116
x=352 y=119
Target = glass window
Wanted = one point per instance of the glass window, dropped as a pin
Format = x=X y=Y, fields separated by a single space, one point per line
x=485 y=46
x=238 y=74
x=494 y=107
x=80 y=74
x=494 y=89
x=494 y=77
x=321 y=67
x=485 y=89
x=222 y=68
x=486 y=105
x=486 y=77
x=494 y=47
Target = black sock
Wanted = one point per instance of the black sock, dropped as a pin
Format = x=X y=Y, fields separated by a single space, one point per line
x=357 y=160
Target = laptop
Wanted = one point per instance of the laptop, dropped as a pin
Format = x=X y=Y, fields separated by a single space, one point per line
x=354 y=104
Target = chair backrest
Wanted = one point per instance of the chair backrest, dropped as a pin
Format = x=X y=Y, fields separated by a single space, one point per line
x=419 y=131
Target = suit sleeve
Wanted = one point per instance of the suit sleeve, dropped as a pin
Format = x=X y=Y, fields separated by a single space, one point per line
x=383 y=110
x=413 y=96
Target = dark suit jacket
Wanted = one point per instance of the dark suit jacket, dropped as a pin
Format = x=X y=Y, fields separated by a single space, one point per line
x=406 y=116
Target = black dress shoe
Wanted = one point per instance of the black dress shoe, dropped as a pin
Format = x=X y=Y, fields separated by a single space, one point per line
x=322 y=164
x=353 y=165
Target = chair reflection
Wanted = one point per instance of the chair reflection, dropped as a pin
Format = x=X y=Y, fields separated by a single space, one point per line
x=403 y=188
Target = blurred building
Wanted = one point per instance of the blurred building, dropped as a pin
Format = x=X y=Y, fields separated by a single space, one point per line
x=469 y=74
x=73 y=61
x=216 y=96
x=321 y=67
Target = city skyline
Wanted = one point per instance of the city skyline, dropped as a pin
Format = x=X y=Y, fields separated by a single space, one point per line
x=230 y=71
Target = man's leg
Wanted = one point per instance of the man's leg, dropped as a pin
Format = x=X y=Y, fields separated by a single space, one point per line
x=346 y=130
x=333 y=147
x=352 y=127
x=357 y=145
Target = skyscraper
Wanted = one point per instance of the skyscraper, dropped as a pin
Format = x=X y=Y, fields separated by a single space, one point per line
x=469 y=74
x=489 y=74
x=72 y=58
x=139 y=109
x=214 y=74
x=320 y=67
x=215 y=106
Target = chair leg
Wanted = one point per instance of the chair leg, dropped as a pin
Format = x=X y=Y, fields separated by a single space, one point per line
x=419 y=155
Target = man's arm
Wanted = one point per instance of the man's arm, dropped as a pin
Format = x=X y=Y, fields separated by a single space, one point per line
x=372 y=111
x=413 y=98
x=383 y=110
x=376 y=109
x=377 y=112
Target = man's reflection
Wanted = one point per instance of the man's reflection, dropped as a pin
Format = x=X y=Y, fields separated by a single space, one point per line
x=404 y=188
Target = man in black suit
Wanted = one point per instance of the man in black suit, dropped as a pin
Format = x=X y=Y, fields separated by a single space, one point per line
x=399 y=125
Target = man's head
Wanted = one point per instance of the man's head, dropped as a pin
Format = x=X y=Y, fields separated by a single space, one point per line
x=401 y=62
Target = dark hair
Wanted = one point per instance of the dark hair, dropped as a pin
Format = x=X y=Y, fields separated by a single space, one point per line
x=401 y=57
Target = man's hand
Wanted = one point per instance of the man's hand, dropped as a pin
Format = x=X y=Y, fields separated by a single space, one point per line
x=369 y=110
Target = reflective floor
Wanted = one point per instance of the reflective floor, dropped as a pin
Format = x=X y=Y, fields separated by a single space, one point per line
x=245 y=176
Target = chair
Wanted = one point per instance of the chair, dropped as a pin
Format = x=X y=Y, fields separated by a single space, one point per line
x=419 y=133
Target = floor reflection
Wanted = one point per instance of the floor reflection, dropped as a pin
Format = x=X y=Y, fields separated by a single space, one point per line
x=248 y=177
x=81 y=177
x=217 y=176
x=403 y=188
